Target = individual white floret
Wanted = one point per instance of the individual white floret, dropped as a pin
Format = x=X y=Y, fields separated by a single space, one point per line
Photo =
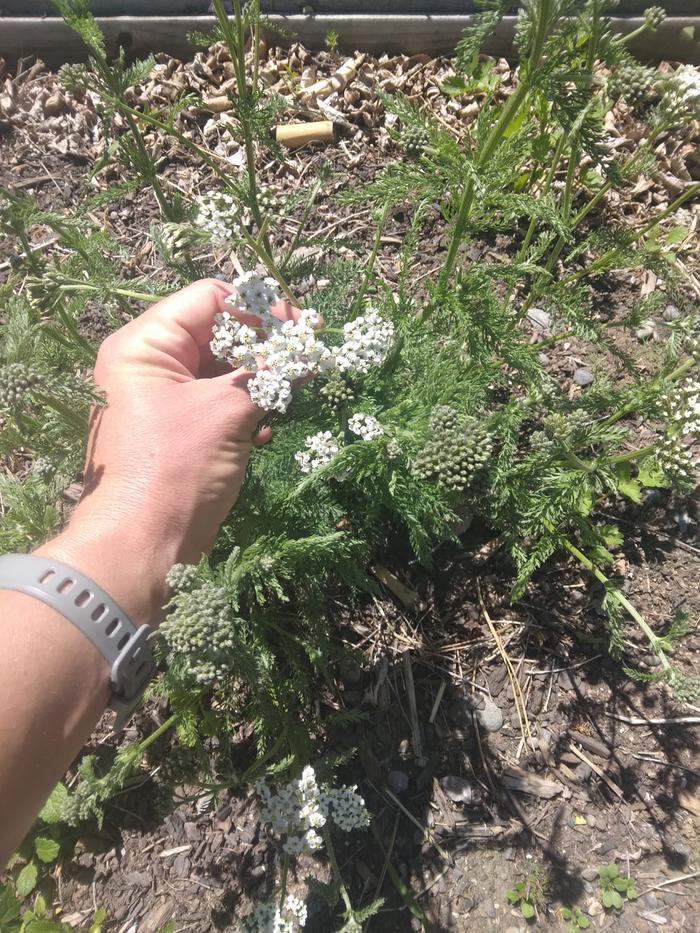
x=367 y=341
x=270 y=391
x=321 y=448
x=218 y=215
x=365 y=426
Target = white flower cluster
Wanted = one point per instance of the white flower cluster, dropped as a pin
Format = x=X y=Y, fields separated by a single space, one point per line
x=270 y=918
x=682 y=95
x=281 y=351
x=218 y=215
x=683 y=408
x=367 y=341
x=255 y=294
x=365 y=426
x=320 y=450
x=296 y=810
x=300 y=808
x=346 y=808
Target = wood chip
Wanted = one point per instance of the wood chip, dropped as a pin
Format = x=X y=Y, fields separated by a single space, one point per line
x=526 y=782
x=166 y=853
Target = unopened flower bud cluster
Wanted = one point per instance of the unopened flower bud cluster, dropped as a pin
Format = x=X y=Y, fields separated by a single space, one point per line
x=290 y=350
x=271 y=918
x=199 y=632
x=654 y=16
x=16 y=380
x=217 y=213
x=631 y=81
x=457 y=451
x=179 y=238
x=415 y=139
x=302 y=807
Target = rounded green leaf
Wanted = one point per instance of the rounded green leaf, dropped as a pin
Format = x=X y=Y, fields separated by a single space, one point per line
x=527 y=910
x=583 y=921
x=608 y=898
x=632 y=892
x=616 y=900
x=26 y=880
x=9 y=905
x=46 y=849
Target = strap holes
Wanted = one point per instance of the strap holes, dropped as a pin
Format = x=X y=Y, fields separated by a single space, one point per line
x=65 y=586
x=98 y=613
x=112 y=627
x=47 y=576
x=123 y=641
x=82 y=598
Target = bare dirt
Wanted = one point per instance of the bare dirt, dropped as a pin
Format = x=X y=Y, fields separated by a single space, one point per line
x=477 y=769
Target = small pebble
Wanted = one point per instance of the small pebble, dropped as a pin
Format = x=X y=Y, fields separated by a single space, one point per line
x=541 y=319
x=589 y=874
x=671 y=313
x=491 y=717
x=457 y=788
x=397 y=782
x=583 y=378
x=645 y=333
x=221 y=276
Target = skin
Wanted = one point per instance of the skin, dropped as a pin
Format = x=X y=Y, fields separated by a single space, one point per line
x=165 y=462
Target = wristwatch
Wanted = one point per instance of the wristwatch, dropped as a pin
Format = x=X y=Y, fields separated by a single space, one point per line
x=91 y=609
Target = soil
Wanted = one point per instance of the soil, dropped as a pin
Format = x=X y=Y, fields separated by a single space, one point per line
x=558 y=761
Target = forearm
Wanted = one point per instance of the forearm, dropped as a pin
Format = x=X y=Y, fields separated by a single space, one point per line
x=54 y=684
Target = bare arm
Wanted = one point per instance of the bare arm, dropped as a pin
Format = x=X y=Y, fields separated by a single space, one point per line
x=166 y=459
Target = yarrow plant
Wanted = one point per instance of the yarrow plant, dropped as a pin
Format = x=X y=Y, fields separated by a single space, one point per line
x=300 y=811
x=403 y=402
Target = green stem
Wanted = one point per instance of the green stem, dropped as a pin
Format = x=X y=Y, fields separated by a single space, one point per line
x=68 y=414
x=628 y=456
x=283 y=880
x=270 y=265
x=622 y=40
x=603 y=260
x=28 y=251
x=302 y=224
x=154 y=736
x=508 y=113
x=618 y=596
x=336 y=871
x=165 y=208
x=357 y=303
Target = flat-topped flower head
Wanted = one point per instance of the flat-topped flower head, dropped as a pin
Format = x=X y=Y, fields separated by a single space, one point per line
x=270 y=391
x=682 y=408
x=255 y=294
x=365 y=426
x=321 y=448
x=367 y=342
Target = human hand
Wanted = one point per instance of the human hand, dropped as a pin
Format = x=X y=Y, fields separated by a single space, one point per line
x=167 y=455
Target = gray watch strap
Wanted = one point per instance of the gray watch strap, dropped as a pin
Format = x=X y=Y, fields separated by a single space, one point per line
x=96 y=614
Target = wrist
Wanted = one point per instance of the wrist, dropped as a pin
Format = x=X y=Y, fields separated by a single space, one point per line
x=120 y=554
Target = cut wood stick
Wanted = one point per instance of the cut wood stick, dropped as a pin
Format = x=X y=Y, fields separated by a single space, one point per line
x=679 y=721
x=412 y=705
x=295 y=135
x=599 y=771
x=337 y=81
x=665 y=884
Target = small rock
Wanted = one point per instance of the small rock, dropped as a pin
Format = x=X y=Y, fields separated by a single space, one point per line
x=645 y=333
x=589 y=874
x=541 y=319
x=543 y=358
x=651 y=900
x=54 y=105
x=457 y=788
x=221 y=276
x=490 y=717
x=583 y=378
x=671 y=313
x=594 y=907
x=397 y=781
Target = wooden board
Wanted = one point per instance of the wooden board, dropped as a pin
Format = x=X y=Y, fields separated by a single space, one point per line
x=53 y=41
x=292 y=7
